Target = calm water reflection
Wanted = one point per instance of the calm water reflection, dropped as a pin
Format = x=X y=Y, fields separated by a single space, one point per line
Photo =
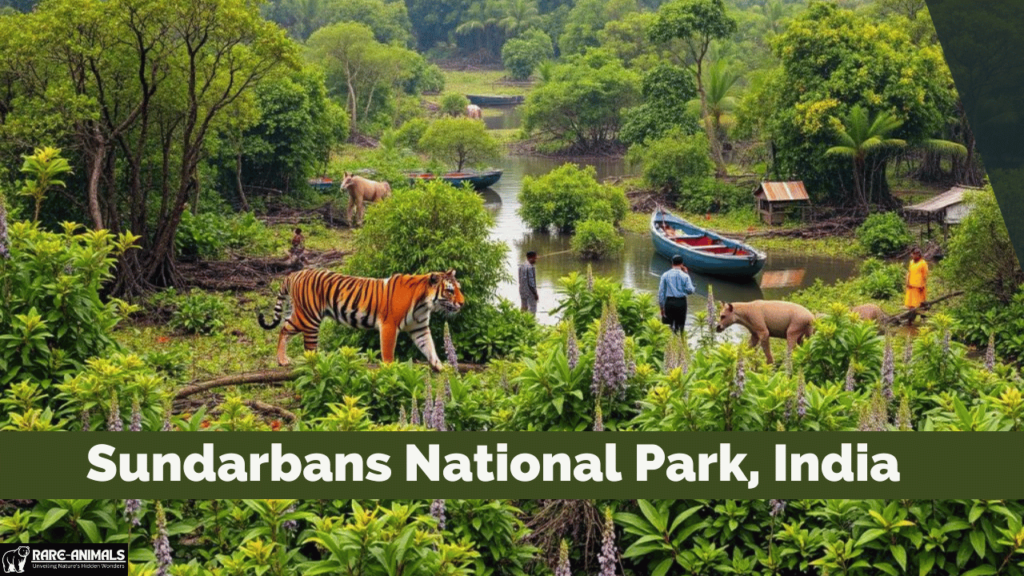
x=638 y=267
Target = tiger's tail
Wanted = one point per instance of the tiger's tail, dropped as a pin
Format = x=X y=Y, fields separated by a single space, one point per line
x=277 y=307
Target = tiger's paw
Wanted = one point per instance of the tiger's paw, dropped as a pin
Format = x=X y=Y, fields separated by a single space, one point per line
x=284 y=362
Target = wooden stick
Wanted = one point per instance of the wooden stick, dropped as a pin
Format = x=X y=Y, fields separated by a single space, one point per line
x=272 y=377
x=897 y=318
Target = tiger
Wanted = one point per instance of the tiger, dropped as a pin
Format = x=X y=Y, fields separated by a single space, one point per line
x=402 y=302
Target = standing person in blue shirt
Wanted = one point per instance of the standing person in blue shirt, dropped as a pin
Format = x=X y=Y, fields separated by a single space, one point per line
x=675 y=286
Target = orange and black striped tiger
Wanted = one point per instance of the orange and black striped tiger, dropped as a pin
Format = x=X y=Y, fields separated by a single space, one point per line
x=401 y=302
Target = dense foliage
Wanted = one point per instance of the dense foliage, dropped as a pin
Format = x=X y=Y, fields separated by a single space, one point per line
x=522 y=55
x=884 y=234
x=567 y=196
x=831 y=60
x=459 y=142
x=53 y=318
x=596 y=239
x=580 y=106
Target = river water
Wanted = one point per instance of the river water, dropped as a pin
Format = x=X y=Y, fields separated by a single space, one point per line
x=638 y=267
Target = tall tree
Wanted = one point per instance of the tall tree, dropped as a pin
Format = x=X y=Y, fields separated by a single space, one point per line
x=859 y=137
x=697 y=23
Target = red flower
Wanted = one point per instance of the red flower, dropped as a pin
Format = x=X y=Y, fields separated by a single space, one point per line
x=163 y=339
x=275 y=425
x=205 y=424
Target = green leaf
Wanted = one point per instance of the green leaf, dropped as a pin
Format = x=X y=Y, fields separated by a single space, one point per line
x=89 y=527
x=659 y=522
x=926 y=563
x=900 y=554
x=663 y=567
x=869 y=536
x=978 y=541
x=52 y=516
x=558 y=403
x=887 y=568
x=985 y=570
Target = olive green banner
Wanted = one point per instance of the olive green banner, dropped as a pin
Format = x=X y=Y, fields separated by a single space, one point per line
x=982 y=43
x=512 y=465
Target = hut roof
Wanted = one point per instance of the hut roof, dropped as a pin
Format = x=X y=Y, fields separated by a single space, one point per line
x=782 y=191
x=951 y=197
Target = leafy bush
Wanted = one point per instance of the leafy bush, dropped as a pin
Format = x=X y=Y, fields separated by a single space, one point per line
x=523 y=54
x=409 y=134
x=53 y=318
x=199 y=313
x=665 y=91
x=596 y=239
x=839 y=339
x=583 y=304
x=676 y=162
x=880 y=280
x=980 y=257
x=208 y=234
x=884 y=234
x=454 y=104
x=568 y=195
x=459 y=142
x=979 y=316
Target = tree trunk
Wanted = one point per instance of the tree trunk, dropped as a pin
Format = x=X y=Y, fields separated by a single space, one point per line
x=238 y=182
x=96 y=157
x=716 y=150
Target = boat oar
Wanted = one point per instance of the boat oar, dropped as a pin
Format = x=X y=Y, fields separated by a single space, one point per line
x=539 y=256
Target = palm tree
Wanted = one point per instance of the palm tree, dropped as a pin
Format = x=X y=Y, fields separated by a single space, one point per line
x=479 y=18
x=859 y=137
x=720 y=83
x=519 y=16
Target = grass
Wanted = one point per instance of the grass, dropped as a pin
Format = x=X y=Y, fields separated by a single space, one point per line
x=480 y=82
x=742 y=222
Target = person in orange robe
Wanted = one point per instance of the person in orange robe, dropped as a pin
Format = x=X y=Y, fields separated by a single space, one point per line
x=917 y=281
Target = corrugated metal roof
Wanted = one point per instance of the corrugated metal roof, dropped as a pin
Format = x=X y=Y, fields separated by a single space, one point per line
x=953 y=196
x=782 y=191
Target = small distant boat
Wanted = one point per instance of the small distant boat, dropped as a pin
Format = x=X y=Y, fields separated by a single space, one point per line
x=703 y=251
x=493 y=100
x=321 y=184
x=478 y=180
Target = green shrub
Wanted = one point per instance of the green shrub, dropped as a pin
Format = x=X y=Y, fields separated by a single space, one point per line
x=675 y=162
x=884 y=234
x=453 y=104
x=880 y=280
x=980 y=257
x=596 y=239
x=199 y=313
x=53 y=317
x=838 y=339
x=209 y=234
x=568 y=195
x=409 y=134
x=523 y=54
x=582 y=304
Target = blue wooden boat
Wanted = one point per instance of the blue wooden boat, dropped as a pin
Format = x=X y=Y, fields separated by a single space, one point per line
x=703 y=251
x=321 y=184
x=478 y=180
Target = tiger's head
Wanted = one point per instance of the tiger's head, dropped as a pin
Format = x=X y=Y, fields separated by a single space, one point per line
x=446 y=294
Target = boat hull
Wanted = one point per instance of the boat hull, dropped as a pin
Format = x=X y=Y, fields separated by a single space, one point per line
x=718 y=257
x=477 y=181
x=482 y=100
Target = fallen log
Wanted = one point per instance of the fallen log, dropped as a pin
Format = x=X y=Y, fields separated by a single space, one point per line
x=910 y=315
x=270 y=408
x=267 y=377
x=272 y=377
